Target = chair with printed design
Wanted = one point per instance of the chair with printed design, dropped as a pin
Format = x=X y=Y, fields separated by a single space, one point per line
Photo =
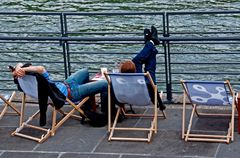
x=29 y=86
x=209 y=94
x=131 y=89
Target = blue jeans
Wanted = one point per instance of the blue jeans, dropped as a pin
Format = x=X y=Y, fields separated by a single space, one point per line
x=146 y=57
x=81 y=87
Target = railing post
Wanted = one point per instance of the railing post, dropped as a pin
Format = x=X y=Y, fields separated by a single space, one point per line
x=169 y=81
x=167 y=59
x=63 y=43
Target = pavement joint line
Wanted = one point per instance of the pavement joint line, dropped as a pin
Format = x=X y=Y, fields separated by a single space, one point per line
x=99 y=142
x=30 y=151
x=218 y=148
x=34 y=149
x=132 y=154
x=60 y=154
x=139 y=120
x=8 y=126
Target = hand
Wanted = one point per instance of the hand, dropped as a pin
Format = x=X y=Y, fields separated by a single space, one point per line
x=19 y=72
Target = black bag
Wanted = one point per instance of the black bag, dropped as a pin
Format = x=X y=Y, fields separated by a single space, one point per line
x=94 y=118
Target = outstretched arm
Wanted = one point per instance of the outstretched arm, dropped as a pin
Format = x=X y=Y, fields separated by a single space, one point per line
x=21 y=71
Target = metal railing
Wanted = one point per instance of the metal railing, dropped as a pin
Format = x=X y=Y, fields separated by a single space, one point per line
x=67 y=41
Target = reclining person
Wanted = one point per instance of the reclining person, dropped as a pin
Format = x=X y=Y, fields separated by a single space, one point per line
x=75 y=87
x=129 y=67
x=147 y=58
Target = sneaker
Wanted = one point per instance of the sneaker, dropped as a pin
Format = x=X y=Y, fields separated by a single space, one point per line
x=147 y=35
x=155 y=36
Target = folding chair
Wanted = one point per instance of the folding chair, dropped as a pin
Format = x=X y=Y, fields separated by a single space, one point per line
x=208 y=93
x=7 y=102
x=131 y=88
x=28 y=84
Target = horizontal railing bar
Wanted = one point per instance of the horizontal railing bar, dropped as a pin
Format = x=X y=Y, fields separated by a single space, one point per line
x=202 y=12
x=70 y=32
x=211 y=73
x=49 y=70
x=90 y=62
x=205 y=42
x=209 y=63
x=209 y=32
x=33 y=42
x=72 y=38
x=30 y=52
x=114 y=53
x=113 y=13
x=81 y=13
x=30 y=32
x=110 y=42
x=24 y=61
x=233 y=38
x=121 y=13
x=104 y=33
x=30 y=13
x=107 y=42
x=200 y=53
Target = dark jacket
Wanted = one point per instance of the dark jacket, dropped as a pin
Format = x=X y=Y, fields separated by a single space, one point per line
x=47 y=90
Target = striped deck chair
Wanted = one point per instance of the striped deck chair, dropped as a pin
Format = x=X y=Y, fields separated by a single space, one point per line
x=28 y=84
x=208 y=93
x=6 y=102
x=131 y=89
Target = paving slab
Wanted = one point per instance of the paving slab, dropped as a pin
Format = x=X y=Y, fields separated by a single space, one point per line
x=73 y=139
x=90 y=155
x=229 y=150
x=9 y=142
x=28 y=155
x=165 y=143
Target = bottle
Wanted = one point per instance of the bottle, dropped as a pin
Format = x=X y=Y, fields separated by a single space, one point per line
x=116 y=67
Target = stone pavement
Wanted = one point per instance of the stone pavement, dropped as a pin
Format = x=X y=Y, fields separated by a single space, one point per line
x=76 y=140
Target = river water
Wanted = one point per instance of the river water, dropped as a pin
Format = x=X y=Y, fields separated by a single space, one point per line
x=118 y=5
x=203 y=23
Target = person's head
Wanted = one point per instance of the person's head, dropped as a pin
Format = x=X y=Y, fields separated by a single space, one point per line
x=18 y=65
x=127 y=67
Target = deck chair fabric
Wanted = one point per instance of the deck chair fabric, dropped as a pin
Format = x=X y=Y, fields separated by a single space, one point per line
x=130 y=88
x=208 y=93
x=29 y=86
x=6 y=102
x=127 y=87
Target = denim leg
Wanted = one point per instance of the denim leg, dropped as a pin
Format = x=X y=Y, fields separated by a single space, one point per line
x=91 y=88
x=143 y=56
x=146 y=56
x=150 y=66
x=79 y=77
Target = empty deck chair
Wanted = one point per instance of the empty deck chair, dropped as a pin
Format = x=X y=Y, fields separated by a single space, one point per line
x=6 y=102
x=28 y=84
x=208 y=93
x=131 y=89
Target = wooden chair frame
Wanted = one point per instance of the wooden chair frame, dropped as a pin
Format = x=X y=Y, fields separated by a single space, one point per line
x=55 y=125
x=188 y=136
x=8 y=103
x=112 y=127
